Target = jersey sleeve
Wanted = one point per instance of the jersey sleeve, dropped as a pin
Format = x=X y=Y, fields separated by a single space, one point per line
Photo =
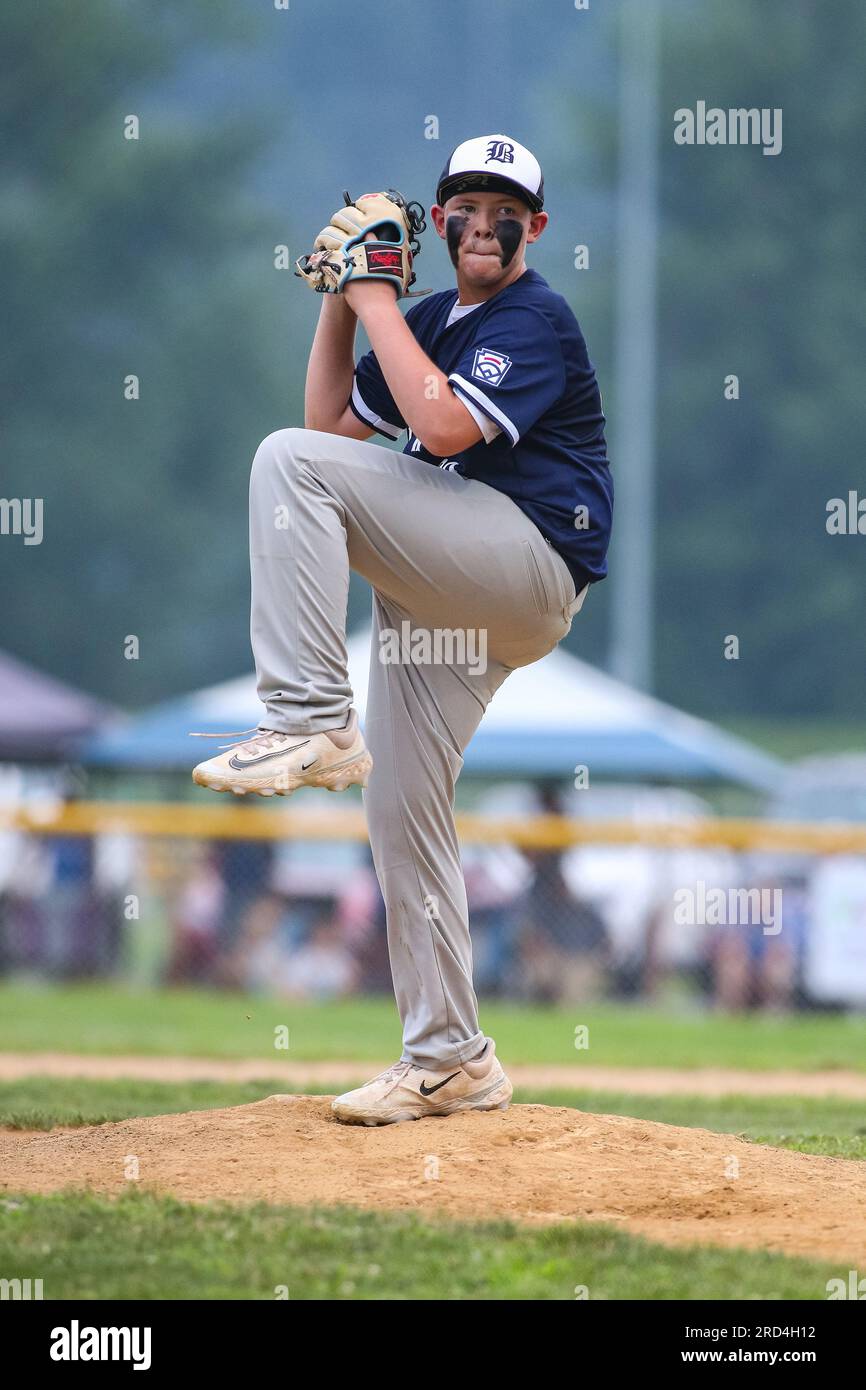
x=372 y=401
x=513 y=370
x=488 y=427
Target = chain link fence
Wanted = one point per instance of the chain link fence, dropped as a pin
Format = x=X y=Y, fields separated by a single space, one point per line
x=733 y=915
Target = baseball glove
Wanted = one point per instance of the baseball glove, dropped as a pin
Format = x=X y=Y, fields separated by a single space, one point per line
x=341 y=253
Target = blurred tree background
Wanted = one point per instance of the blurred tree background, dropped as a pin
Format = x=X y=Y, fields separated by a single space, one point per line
x=156 y=257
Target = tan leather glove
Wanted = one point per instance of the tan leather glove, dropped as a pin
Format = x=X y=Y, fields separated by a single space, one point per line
x=342 y=253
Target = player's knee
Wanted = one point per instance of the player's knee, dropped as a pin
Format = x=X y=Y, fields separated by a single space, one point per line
x=281 y=451
x=282 y=442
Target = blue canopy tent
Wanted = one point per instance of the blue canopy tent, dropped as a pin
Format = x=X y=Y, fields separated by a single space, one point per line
x=546 y=718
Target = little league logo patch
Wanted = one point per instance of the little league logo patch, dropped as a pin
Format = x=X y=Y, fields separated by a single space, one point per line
x=489 y=366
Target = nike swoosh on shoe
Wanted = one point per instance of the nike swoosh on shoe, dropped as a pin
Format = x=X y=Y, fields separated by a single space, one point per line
x=428 y=1090
x=264 y=757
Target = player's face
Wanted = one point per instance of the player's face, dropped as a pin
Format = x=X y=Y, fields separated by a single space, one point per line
x=487 y=234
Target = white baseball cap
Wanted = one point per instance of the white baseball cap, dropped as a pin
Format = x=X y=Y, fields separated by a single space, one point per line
x=493 y=163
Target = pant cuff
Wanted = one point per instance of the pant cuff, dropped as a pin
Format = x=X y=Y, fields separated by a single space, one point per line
x=450 y=1055
x=281 y=722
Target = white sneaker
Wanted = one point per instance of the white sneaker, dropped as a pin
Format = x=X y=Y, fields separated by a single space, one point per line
x=408 y=1092
x=275 y=764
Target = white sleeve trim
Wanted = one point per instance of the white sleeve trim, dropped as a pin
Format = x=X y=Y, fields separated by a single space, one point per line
x=468 y=389
x=488 y=427
x=372 y=419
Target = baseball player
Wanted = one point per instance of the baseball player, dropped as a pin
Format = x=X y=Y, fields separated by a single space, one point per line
x=491 y=525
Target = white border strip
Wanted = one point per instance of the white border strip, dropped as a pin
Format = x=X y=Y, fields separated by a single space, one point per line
x=487 y=406
x=371 y=418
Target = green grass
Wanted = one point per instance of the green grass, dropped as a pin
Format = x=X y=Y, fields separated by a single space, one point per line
x=832 y=1127
x=41 y=1102
x=144 y=1247
x=108 y=1019
x=835 y=1128
x=799 y=738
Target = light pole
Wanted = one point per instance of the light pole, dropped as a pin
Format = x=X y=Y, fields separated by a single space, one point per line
x=633 y=567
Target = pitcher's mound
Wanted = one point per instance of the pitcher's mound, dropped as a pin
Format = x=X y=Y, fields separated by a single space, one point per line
x=533 y=1163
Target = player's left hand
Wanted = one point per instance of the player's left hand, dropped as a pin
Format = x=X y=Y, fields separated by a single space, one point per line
x=373 y=239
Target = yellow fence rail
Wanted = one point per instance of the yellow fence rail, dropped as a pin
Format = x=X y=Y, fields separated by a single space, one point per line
x=242 y=822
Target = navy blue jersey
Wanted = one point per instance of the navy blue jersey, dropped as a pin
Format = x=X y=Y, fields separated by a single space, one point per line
x=520 y=365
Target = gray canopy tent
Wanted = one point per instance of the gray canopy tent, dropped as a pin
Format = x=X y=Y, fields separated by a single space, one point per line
x=41 y=718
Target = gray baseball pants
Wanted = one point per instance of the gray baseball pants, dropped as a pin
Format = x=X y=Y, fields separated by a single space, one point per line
x=444 y=555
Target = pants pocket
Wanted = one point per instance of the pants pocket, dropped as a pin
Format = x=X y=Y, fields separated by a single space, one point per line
x=540 y=596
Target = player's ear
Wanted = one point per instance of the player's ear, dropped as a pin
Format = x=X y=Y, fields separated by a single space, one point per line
x=537 y=223
x=437 y=213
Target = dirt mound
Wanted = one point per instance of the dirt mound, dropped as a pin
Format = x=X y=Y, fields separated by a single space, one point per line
x=655 y=1081
x=530 y=1163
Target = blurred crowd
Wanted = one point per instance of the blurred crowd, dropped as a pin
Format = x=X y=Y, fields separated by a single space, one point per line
x=305 y=919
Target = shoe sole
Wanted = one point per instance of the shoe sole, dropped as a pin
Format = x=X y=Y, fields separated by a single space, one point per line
x=337 y=777
x=492 y=1102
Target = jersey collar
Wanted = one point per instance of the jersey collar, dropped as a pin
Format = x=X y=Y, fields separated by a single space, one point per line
x=528 y=277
